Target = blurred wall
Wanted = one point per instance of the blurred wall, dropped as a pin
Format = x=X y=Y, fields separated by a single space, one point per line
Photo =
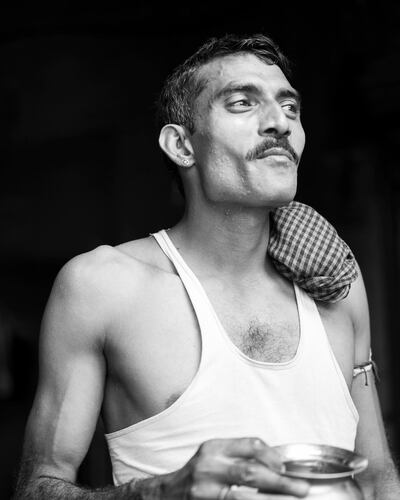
x=81 y=167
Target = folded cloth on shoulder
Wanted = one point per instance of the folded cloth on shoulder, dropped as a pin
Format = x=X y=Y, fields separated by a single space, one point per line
x=306 y=249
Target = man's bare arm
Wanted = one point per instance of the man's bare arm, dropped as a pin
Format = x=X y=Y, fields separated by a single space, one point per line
x=381 y=480
x=70 y=388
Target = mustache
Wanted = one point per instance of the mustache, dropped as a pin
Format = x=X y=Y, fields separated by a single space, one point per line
x=269 y=143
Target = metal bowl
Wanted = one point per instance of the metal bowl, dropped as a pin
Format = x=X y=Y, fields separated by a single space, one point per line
x=315 y=461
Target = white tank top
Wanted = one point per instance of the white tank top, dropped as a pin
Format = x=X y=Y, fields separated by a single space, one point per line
x=303 y=400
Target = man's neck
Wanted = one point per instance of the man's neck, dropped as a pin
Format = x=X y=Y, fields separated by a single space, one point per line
x=229 y=240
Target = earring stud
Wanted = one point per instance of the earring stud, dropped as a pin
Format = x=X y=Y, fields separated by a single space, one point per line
x=185 y=161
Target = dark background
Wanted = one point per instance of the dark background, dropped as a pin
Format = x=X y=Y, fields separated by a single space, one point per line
x=80 y=164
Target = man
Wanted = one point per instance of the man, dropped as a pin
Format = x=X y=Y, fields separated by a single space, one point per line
x=200 y=354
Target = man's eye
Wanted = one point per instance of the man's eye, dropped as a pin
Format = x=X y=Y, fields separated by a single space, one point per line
x=291 y=107
x=241 y=102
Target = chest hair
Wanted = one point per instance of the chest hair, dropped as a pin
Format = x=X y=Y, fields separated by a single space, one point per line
x=264 y=341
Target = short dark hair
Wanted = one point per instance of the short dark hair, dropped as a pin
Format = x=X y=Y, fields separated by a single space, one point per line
x=182 y=87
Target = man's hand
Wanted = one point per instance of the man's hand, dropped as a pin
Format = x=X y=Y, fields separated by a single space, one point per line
x=221 y=465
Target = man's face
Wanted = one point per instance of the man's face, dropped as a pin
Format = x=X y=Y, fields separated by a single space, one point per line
x=248 y=137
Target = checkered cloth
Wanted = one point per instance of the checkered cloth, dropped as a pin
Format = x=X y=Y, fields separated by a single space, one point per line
x=305 y=248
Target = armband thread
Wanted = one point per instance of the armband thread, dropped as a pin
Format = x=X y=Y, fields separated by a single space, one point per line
x=364 y=368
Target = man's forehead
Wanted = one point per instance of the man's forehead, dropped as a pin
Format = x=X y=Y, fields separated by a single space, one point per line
x=240 y=67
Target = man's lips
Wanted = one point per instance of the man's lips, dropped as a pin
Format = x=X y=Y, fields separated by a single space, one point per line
x=275 y=152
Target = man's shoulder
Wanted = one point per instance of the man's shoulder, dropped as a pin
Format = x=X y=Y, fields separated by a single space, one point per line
x=352 y=310
x=146 y=254
x=355 y=305
x=108 y=270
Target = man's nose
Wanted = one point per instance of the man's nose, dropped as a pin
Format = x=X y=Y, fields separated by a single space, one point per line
x=273 y=120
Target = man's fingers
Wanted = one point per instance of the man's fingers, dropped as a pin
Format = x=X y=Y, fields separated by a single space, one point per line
x=282 y=484
x=215 y=491
x=259 y=496
x=246 y=462
x=247 y=494
x=256 y=475
x=254 y=448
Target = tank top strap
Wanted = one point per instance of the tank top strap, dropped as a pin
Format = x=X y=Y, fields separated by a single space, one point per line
x=169 y=249
x=202 y=307
x=310 y=317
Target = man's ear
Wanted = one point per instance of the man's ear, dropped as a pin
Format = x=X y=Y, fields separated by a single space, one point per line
x=174 y=142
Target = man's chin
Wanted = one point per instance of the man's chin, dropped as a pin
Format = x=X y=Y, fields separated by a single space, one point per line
x=261 y=197
x=282 y=202
x=269 y=204
x=279 y=199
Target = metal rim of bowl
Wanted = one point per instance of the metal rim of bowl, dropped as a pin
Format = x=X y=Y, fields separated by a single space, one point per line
x=329 y=454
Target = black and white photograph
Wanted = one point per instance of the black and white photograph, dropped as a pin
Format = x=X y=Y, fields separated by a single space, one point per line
x=200 y=251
